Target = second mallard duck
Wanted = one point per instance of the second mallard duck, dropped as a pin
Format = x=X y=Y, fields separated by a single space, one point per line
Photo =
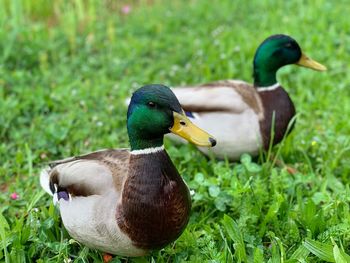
x=240 y=115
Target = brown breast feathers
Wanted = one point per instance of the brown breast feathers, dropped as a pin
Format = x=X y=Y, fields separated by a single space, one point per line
x=155 y=201
x=275 y=102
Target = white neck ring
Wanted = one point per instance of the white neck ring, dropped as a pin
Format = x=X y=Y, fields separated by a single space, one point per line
x=148 y=150
x=268 y=88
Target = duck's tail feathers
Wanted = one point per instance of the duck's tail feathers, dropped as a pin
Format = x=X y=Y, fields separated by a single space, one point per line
x=45 y=180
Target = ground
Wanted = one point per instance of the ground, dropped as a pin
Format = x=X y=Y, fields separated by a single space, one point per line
x=66 y=68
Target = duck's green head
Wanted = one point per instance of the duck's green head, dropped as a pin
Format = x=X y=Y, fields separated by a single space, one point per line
x=275 y=52
x=154 y=111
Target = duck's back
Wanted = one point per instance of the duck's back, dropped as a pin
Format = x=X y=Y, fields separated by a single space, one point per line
x=229 y=110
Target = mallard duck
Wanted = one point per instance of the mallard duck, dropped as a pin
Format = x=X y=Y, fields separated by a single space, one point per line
x=240 y=115
x=128 y=202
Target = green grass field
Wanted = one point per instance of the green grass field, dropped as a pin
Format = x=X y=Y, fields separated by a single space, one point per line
x=66 y=68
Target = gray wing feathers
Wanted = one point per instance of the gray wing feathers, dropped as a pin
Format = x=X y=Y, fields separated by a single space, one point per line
x=226 y=96
x=93 y=173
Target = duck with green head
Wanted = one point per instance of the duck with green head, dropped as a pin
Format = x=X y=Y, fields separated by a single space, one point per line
x=129 y=202
x=240 y=115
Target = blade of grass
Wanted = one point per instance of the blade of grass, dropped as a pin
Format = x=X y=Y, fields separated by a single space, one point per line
x=321 y=250
x=235 y=234
x=300 y=254
x=3 y=226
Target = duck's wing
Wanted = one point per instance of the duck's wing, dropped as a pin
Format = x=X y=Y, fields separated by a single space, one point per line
x=232 y=96
x=84 y=175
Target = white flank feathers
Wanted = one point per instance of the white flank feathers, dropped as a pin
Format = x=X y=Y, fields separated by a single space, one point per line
x=45 y=180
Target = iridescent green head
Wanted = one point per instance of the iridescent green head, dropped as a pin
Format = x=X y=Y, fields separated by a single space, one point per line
x=154 y=111
x=275 y=52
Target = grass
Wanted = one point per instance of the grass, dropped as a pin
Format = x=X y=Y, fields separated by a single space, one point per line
x=66 y=68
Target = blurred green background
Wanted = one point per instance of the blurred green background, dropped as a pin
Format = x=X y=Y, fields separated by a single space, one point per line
x=67 y=66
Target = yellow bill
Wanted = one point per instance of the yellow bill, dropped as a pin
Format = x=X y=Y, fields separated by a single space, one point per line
x=187 y=130
x=307 y=62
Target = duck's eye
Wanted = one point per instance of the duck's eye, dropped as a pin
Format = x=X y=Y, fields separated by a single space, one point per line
x=288 y=45
x=151 y=104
